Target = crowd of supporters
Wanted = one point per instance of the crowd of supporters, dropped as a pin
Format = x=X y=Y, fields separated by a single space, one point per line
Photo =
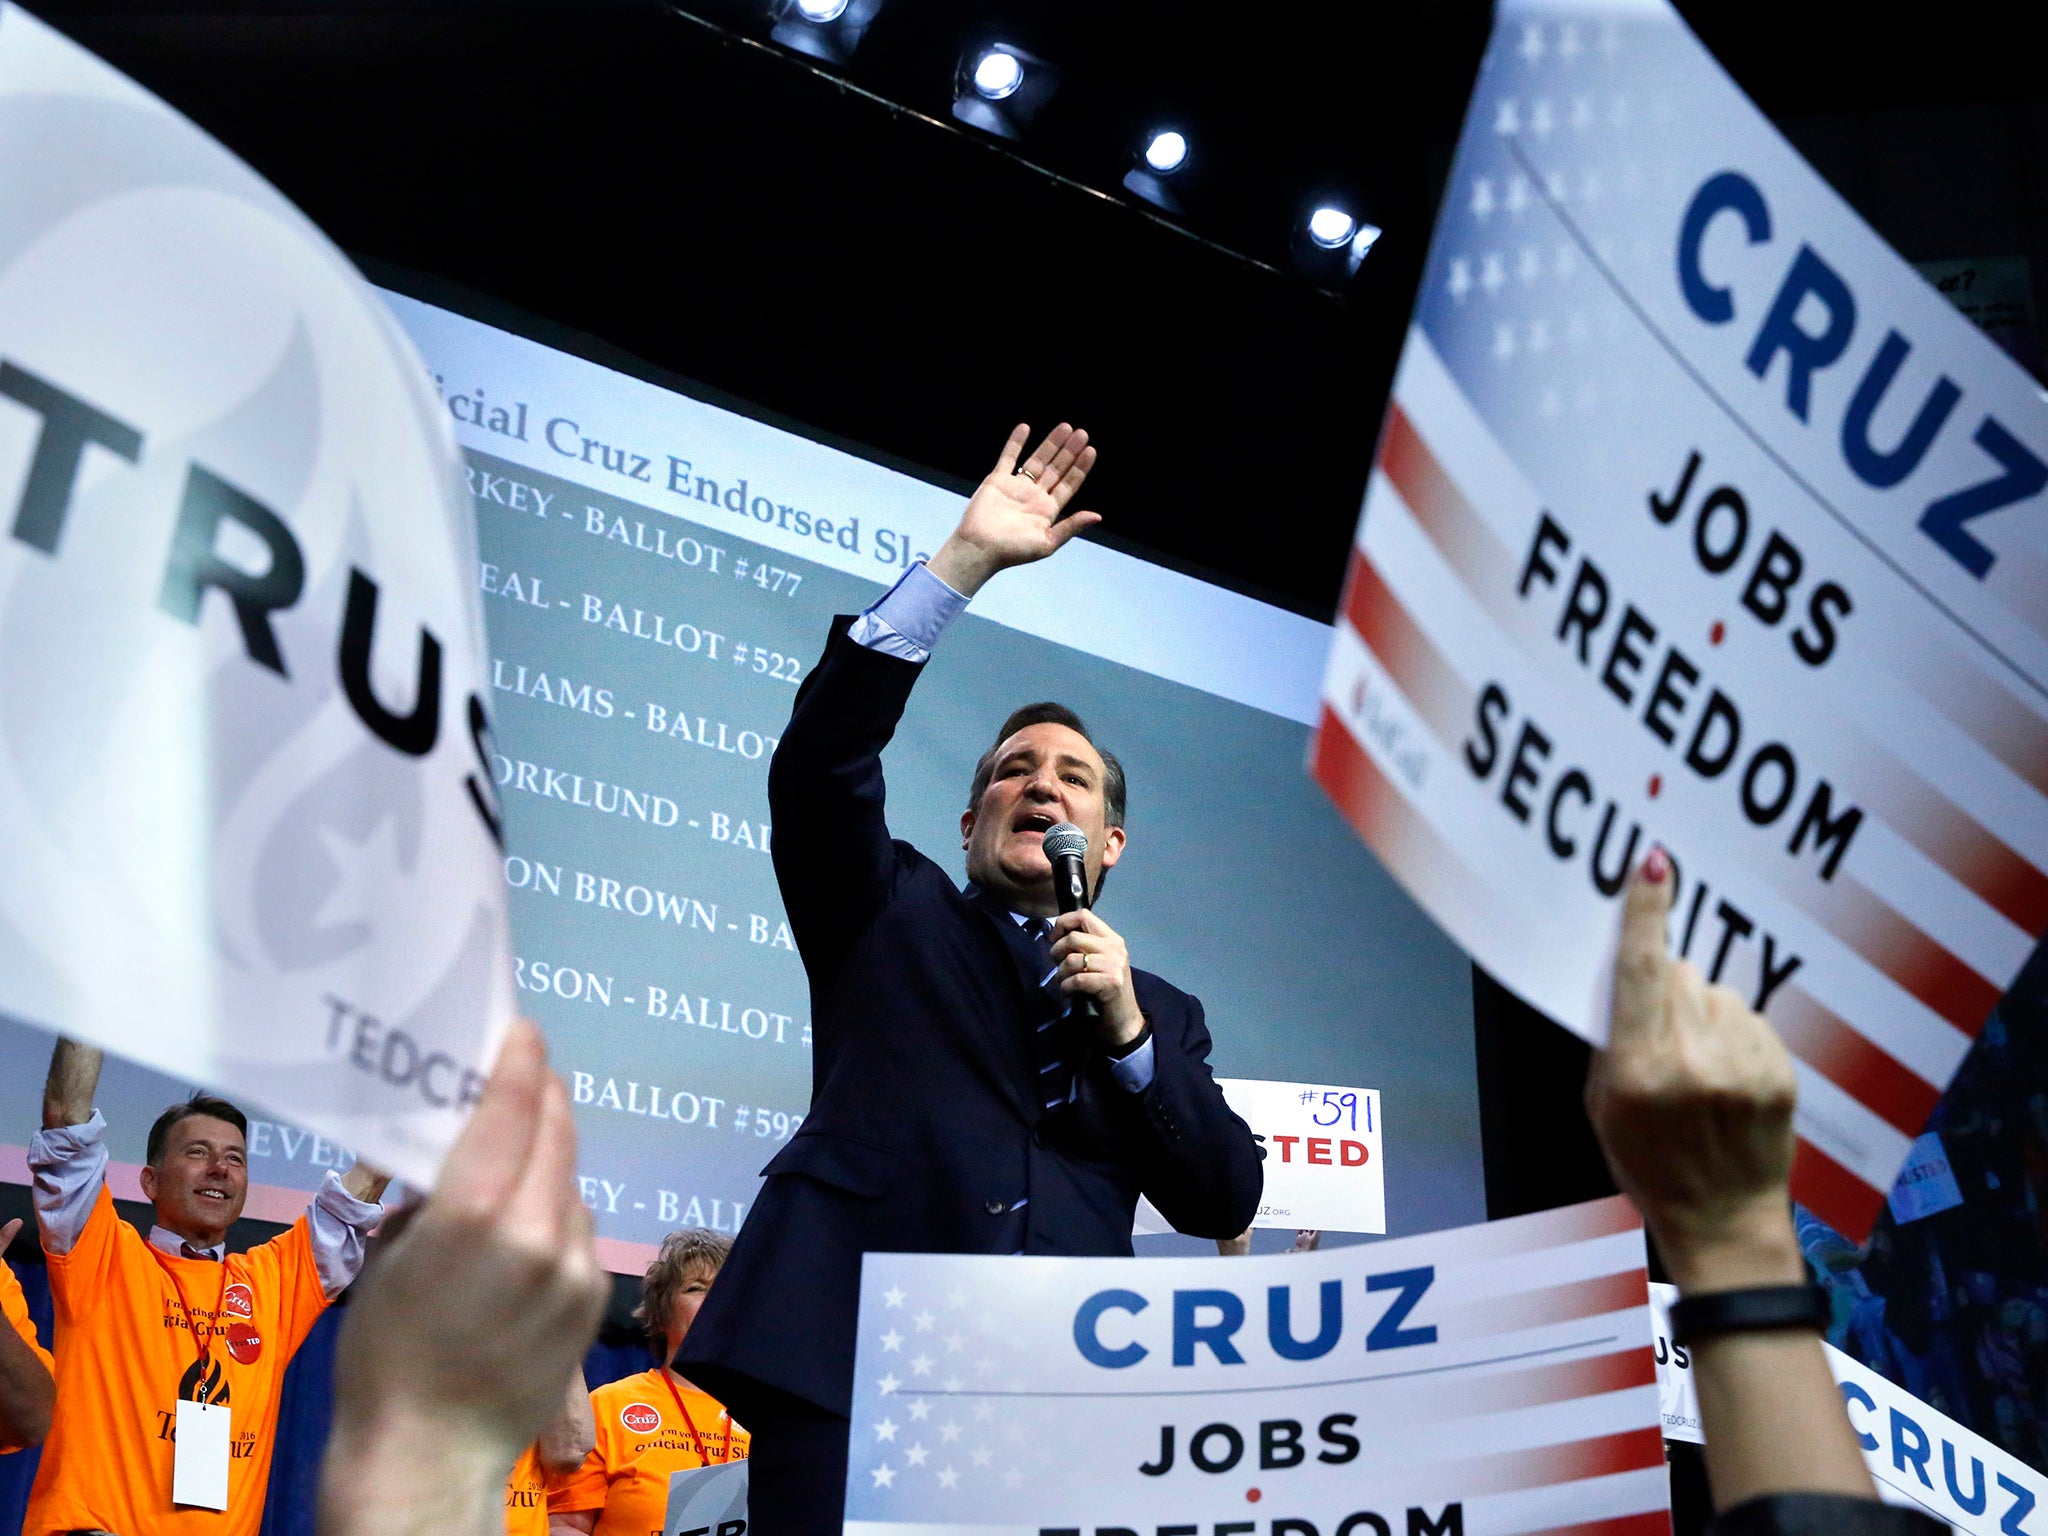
x=185 y=1315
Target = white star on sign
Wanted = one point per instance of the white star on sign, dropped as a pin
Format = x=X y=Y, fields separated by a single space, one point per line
x=360 y=870
x=949 y=1478
x=888 y=1384
x=1013 y=1478
x=893 y=1296
x=921 y=1366
x=892 y=1340
x=924 y=1321
x=981 y=1456
x=920 y=1409
x=949 y=1431
x=952 y=1383
x=983 y=1367
x=886 y=1430
x=955 y=1343
x=983 y=1412
x=885 y=1476
x=956 y=1299
x=916 y=1454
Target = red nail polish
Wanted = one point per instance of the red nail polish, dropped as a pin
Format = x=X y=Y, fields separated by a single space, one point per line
x=1657 y=866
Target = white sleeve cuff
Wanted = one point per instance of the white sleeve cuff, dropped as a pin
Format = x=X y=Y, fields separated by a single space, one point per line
x=338 y=1223
x=69 y=1164
x=1134 y=1072
x=909 y=618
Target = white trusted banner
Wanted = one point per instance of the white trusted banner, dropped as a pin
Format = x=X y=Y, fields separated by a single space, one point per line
x=1698 y=518
x=1489 y=1380
x=1319 y=1149
x=1916 y=1454
x=249 y=830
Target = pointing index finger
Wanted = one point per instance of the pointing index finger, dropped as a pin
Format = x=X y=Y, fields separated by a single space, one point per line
x=1644 y=956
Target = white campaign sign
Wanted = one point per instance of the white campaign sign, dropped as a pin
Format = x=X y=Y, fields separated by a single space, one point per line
x=707 y=1501
x=1488 y=1380
x=1320 y=1152
x=249 y=828
x=1699 y=519
x=1917 y=1455
x=1675 y=1386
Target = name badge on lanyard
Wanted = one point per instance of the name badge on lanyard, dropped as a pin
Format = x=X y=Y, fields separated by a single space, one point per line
x=199 y=1464
x=200 y=1448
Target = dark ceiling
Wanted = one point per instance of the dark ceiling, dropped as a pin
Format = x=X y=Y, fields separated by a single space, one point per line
x=679 y=190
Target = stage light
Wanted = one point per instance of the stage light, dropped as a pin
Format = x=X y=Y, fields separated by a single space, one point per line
x=1166 y=152
x=999 y=87
x=997 y=75
x=827 y=30
x=1331 y=241
x=1331 y=227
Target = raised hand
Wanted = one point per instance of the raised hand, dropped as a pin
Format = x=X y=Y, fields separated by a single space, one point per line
x=462 y=1342
x=1019 y=513
x=1692 y=1102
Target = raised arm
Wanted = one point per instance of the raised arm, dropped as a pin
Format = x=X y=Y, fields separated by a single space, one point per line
x=833 y=855
x=457 y=1351
x=74 y=1079
x=365 y=1183
x=1692 y=1102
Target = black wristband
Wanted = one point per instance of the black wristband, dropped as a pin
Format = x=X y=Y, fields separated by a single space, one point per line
x=1762 y=1306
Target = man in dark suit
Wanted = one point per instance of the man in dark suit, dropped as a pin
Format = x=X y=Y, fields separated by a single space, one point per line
x=958 y=1105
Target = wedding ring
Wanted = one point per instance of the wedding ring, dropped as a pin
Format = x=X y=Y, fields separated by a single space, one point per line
x=1084 y=960
x=1030 y=475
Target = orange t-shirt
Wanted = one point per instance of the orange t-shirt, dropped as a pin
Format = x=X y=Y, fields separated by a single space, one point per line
x=641 y=1440
x=125 y=1355
x=526 y=1496
x=15 y=1306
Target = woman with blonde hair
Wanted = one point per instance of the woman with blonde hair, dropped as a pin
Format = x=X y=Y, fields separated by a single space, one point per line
x=656 y=1423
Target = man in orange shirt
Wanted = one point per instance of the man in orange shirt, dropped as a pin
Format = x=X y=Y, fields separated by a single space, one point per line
x=145 y=1325
x=26 y=1387
x=655 y=1423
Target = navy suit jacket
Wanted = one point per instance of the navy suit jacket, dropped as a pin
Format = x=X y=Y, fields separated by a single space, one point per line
x=927 y=1132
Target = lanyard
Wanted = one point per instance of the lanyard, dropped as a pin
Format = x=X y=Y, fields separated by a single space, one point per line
x=703 y=1456
x=203 y=1345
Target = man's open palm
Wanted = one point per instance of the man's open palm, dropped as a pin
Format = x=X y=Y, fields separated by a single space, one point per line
x=1018 y=514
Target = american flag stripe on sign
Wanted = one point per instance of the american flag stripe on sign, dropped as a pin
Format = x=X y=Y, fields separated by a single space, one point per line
x=1896 y=974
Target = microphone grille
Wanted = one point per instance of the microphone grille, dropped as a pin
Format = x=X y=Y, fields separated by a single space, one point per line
x=1065 y=840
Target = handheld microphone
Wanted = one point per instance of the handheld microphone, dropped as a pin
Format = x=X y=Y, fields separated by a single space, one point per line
x=1066 y=846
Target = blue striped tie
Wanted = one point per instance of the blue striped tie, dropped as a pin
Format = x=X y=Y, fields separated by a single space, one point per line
x=1049 y=1045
